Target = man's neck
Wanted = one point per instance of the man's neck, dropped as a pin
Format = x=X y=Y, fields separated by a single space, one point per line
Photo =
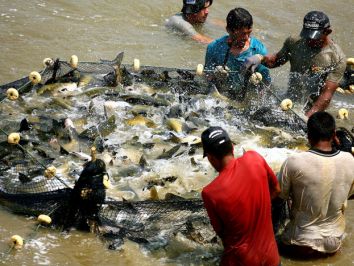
x=225 y=161
x=236 y=50
x=323 y=145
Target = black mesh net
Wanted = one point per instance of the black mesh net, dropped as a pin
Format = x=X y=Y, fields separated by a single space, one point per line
x=148 y=221
x=63 y=71
x=25 y=189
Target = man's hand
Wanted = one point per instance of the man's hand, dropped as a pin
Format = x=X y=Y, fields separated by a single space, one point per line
x=251 y=63
x=322 y=102
x=221 y=72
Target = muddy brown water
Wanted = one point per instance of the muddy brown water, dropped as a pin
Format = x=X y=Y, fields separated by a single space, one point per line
x=33 y=30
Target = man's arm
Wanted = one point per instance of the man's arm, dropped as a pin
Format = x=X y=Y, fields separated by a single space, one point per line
x=284 y=181
x=214 y=219
x=332 y=82
x=178 y=23
x=274 y=187
x=324 y=98
x=270 y=61
x=274 y=60
x=202 y=38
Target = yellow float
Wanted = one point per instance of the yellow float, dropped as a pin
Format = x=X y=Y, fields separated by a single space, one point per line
x=12 y=94
x=13 y=138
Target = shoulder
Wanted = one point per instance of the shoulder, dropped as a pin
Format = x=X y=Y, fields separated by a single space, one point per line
x=255 y=42
x=258 y=46
x=253 y=155
x=177 y=18
x=295 y=161
x=293 y=41
x=346 y=157
x=177 y=22
x=337 y=52
x=217 y=46
x=218 y=42
x=207 y=191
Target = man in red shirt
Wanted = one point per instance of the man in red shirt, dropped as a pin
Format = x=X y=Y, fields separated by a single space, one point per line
x=238 y=202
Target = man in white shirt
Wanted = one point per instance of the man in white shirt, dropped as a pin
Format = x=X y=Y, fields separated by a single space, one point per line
x=193 y=14
x=318 y=182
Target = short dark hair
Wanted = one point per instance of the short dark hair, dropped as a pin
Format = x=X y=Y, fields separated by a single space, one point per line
x=239 y=18
x=321 y=126
x=222 y=150
x=194 y=6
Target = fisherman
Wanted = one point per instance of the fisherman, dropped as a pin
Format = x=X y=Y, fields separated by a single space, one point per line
x=88 y=195
x=238 y=202
x=318 y=182
x=317 y=63
x=229 y=52
x=193 y=14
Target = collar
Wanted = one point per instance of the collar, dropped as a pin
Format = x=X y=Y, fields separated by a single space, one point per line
x=331 y=153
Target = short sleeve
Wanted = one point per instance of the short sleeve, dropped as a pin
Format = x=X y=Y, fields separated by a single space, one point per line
x=284 y=181
x=351 y=192
x=210 y=61
x=261 y=49
x=177 y=22
x=339 y=65
x=214 y=218
x=284 y=53
x=272 y=179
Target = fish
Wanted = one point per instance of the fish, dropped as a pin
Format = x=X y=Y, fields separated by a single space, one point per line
x=60 y=89
x=81 y=155
x=141 y=121
x=103 y=129
x=146 y=125
x=144 y=99
x=168 y=154
x=174 y=124
x=160 y=182
x=272 y=117
x=190 y=139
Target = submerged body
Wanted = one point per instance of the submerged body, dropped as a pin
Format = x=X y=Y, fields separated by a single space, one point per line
x=192 y=16
x=238 y=202
x=309 y=76
x=218 y=54
x=319 y=184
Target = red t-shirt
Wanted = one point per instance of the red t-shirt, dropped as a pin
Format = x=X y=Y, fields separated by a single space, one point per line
x=239 y=207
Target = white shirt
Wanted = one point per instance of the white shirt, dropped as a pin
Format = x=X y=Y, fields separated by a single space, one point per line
x=178 y=23
x=319 y=185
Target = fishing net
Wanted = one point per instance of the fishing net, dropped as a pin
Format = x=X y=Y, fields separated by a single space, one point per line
x=145 y=222
x=149 y=222
x=61 y=71
x=25 y=189
x=23 y=186
x=183 y=82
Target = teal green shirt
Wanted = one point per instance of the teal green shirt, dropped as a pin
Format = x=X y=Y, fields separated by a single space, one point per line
x=216 y=53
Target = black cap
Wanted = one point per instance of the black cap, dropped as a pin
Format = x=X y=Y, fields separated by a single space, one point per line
x=194 y=6
x=213 y=138
x=314 y=24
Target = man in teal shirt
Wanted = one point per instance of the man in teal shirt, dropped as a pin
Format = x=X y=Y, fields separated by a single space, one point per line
x=230 y=52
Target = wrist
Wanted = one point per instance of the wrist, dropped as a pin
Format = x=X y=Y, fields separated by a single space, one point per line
x=261 y=57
